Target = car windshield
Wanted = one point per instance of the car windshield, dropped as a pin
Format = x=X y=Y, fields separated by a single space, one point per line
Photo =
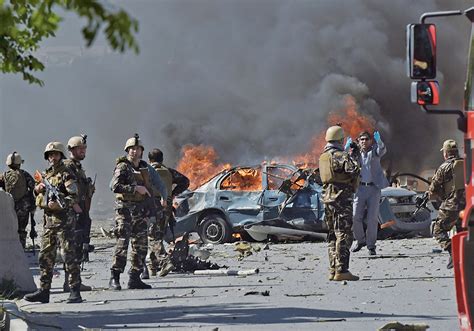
x=242 y=179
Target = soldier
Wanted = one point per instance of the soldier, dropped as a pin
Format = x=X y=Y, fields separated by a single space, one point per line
x=77 y=147
x=56 y=193
x=20 y=184
x=339 y=172
x=132 y=188
x=175 y=183
x=448 y=185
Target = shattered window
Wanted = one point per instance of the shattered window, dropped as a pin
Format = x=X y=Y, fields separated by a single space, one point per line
x=243 y=179
x=276 y=176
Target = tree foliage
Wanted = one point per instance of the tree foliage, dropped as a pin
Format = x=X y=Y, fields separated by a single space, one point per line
x=25 y=23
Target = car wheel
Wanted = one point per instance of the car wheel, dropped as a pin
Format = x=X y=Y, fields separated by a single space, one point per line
x=214 y=230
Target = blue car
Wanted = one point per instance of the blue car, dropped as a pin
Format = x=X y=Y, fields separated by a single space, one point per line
x=276 y=200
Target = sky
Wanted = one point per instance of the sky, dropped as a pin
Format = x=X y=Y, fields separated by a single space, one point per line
x=254 y=79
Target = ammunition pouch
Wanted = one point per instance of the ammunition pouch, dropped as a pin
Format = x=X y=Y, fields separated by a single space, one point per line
x=134 y=197
x=130 y=197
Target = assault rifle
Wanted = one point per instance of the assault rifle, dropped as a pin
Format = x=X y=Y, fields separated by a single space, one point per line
x=421 y=203
x=33 y=233
x=52 y=192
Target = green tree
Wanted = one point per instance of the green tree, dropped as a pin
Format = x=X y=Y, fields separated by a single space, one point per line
x=25 y=23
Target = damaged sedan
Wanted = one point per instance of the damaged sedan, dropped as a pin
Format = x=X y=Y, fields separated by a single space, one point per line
x=281 y=201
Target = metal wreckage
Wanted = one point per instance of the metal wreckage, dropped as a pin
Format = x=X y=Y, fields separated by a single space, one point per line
x=281 y=202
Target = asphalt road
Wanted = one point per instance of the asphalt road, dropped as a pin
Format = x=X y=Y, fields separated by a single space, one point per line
x=405 y=282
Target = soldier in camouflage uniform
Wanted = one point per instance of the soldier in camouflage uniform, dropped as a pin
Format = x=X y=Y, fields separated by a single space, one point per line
x=77 y=147
x=59 y=202
x=339 y=172
x=448 y=185
x=175 y=183
x=20 y=185
x=131 y=185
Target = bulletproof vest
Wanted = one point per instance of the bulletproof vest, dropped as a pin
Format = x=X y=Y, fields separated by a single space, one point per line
x=15 y=184
x=81 y=178
x=141 y=177
x=55 y=178
x=327 y=173
x=457 y=181
x=165 y=176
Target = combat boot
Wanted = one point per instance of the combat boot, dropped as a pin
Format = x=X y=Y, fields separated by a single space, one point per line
x=345 y=276
x=145 y=274
x=75 y=295
x=331 y=274
x=38 y=296
x=114 y=283
x=134 y=282
x=66 y=289
x=450 y=262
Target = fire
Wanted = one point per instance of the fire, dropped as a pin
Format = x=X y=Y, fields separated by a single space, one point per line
x=245 y=179
x=199 y=162
x=352 y=122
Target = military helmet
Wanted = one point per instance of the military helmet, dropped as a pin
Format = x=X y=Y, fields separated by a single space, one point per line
x=334 y=133
x=449 y=145
x=77 y=141
x=14 y=159
x=54 y=146
x=134 y=141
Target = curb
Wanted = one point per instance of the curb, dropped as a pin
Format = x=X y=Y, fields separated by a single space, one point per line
x=13 y=316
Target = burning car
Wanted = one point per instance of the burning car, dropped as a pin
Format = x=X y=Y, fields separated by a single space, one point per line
x=279 y=200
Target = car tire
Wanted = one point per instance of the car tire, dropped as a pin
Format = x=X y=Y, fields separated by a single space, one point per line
x=214 y=230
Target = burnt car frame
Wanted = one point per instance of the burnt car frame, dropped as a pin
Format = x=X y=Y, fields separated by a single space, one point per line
x=281 y=200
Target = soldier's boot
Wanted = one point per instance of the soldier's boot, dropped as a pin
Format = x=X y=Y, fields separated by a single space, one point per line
x=332 y=273
x=134 y=282
x=23 y=242
x=345 y=276
x=450 y=262
x=66 y=289
x=38 y=296
x=114 y=283
x=145 y=274
x=75 y=295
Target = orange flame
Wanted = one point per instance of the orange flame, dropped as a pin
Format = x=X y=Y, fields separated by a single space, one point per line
x=200 y=163
x=352 y=122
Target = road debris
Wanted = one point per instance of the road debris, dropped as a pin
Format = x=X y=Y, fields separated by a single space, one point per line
x=263 y=293
x=397 y=326
x=227 y=272
x=305 y=295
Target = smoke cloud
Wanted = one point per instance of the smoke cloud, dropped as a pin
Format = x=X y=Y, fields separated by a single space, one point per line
x=254 y=79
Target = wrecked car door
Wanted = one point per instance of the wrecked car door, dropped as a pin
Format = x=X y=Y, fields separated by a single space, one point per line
x=239 y=194
x=272 y=198
x=303 y=208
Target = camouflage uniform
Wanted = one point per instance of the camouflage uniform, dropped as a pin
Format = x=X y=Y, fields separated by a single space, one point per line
x=24 y=205
x=59 y=227
x=156 y=231
x=130 y=215
x=453 y=200
x=85 y=192
x=338 y=197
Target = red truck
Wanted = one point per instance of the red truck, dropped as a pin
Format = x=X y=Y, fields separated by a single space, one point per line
x=421 y=65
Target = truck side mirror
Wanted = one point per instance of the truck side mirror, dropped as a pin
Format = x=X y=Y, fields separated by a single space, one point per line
x=421 y=51
x=425 y=93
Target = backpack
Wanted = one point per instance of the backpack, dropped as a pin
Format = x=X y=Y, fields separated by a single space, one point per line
x=15 y=184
